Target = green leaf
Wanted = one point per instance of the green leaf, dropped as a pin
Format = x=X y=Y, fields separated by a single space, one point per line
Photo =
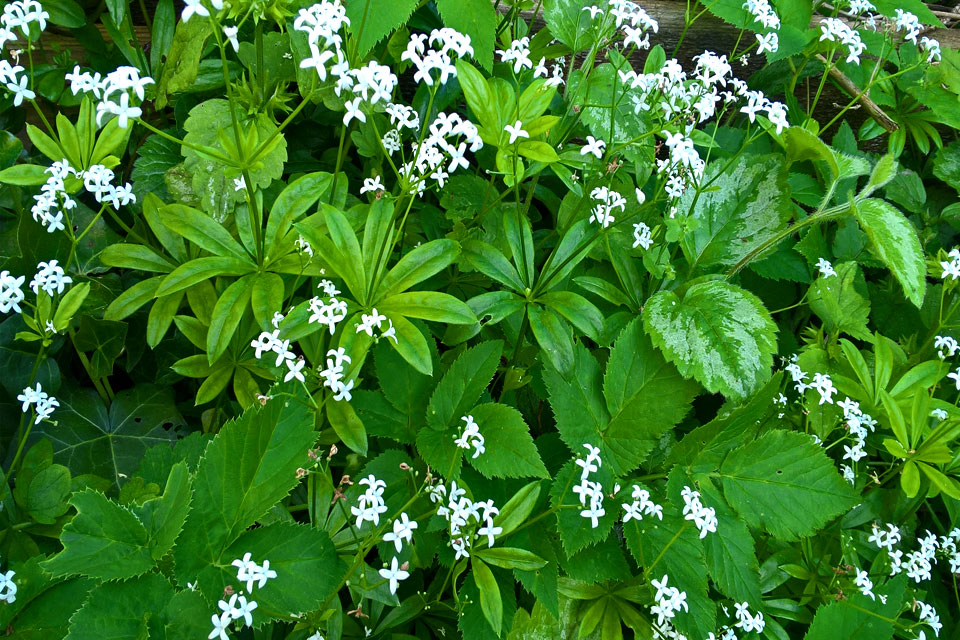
x=202 y=230
x=227 y=315
x=155 y=157
x=731 y=559
x=576 y=532
x=201 y=269
x=842 y=301
x=24 y=175
x=511 y=558
x=69 y=305
x=428 y=305
x=490 y=262
x=294 y=201
x=479 y=95
x=182 y=59
x=510 y=451
x=883 y=172
x=475 y=18
x=518 y=508
x=804 y=145
x=135 y=256
x=490 y=600
x=553 y=335
x=673 y=547
x=164 y=516
x=538 y=150
x=895 y=242
x=746 y=205
x=249 y=467
x=104 y=540
x=718 y=333
x=857 y=617
x=786 y=484
x=44 y=499
x=576 y=310
x=123 y=610
x=946 y=164
x=609 y=111
x=89 y=438
x=462 y=385
x=419 y=264
x=570 y=24
x=645 y=396
x=347 y=425
x=412 y=345
x=266 y=298
x=577 y=401
x=370 y=23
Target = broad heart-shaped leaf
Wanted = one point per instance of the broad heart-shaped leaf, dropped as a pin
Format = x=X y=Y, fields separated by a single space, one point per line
x=510 y=451
x=89 y=438
x=895 y=242
x=672 y=546
x=645 y=396
x=784 y=483
x=842 y=301
x=249 y=467
x=746 y=205
x=104 y=540
x=130 y=609
x=718 y=333
x=463 y=383
x=371 y=23
x=857 y=617
x=308 y=568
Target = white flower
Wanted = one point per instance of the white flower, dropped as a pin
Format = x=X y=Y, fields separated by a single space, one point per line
x=8 y=588
x=394 y=574
x=594 y=147
x=295 y=370
x=371 y=184
x=954 y=374
x=231 y=35
x=642 y=235
x=825 y=268
x=769 y=42
x=353 y=111
x=906 y=21
x=50 y=277
x=221 y=624
x=368 y=322
x=10 y=293
x=516 y=131
x=20 y=91
x=193 y=7
x=402 y=530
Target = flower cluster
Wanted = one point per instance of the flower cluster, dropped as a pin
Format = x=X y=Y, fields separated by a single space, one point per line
x=683 y=166
x=704 y=518
x=20 y=14
x=670 y=600
x=588 y=490
x=864 y=583
x=113 y=91
x=423 y=53
x=634 y=22
x=50 y=277
x=370 y=504
x=471 y=437
x=238 y=607
x=334 y=373
x=835 y=30
x=908 y=23
x=43 y=404
x=11 y=295
x=642 y=505
x=441 y=152
x=458 y=512
x=607 y=200
x=642 y=235
x=518 y=54
x=951 y=268
x=764 y=14
x=825 y=268
x=8 y=588
x=375 y=321
x=918 y=564
x=53 y=200
x=271 y=342
x=328 y=313
x=747 y=621
x=858 y=423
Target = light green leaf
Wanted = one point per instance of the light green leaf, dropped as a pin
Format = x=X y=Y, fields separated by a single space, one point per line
x=510 y=451
x=202 y=230
x=227 y=315
x=419 y=264
x=371 y=23
x=718 y=333
x=511 y=558
x=104 y=540
x=895 y=242
x=428 y=305
x=746 y=205
x=294 y=201
x=490 y=600
x=570 y=24
x=347 y=425
x=518 y=508
x=842 y=301
x=249 y=467
x=786 y=484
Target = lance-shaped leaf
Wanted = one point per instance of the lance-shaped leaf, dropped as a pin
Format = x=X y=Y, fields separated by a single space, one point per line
x=895 y=242
x=717 y=333
x=786 y=484
x=418 y=265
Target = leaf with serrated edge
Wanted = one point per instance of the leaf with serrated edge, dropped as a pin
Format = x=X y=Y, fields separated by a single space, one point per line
x=510 y=451
x=463 y=383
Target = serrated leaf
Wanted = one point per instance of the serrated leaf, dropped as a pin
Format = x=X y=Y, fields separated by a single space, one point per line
x=731 y=559
x=786 y=484
x=718 y=333
x=104 y=540
x=895 y=242
x=645 y=396
x=163 y=517
x=475 y=18
x=371 y=23
x=576 y=532
x=250 y=466
x=510 y=451
x=857 y=617
x=154 y=158
x=842 y=301
x=577 y=401
x=123 y=610
x=463 y=383
x=748 y=204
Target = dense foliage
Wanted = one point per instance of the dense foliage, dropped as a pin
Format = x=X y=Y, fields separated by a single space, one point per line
x=427 y=320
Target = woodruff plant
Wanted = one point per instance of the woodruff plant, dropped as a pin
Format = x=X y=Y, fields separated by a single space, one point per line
x=350 y=322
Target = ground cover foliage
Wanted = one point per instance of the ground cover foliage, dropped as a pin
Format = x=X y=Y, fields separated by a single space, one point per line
x=328 y=321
